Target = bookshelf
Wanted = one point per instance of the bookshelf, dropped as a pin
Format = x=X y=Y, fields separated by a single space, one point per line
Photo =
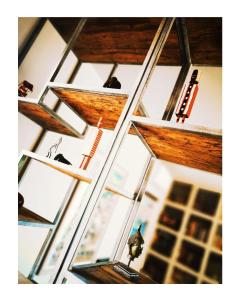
x=150 y=42
x=186 y=244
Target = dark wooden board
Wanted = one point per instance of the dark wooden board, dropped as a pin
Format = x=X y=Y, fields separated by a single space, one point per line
x=192 y=149
x=27 y=216
x=42 y=117
x=205 y=40
x=105 y=274
x=127 y=40
x=92 y=105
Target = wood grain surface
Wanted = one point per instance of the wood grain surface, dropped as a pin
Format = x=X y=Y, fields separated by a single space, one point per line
x=92 y=105
x=191 y=149
x=23 y=280
x=127 y=40
x=38 y=114
x=105 y=274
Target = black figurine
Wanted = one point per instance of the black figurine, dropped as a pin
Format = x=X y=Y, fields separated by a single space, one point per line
x=112 y=83
x=20 y=200
x=135 y=245
x=61 y=158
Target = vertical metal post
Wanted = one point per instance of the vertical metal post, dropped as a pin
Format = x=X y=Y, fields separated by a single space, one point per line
x=64 y=56
x=186 y=63
x=120 y=131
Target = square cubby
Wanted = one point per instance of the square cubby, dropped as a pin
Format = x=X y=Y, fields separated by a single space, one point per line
x=180 y=192
x=155 y=268
x=198 y=228
x=181 y=277
x=206 y=202
x=171 y=217
x=191 y=255
x=163 y=242
x=214 y=267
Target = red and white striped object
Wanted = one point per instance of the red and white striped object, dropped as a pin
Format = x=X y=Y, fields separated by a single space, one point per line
x=87 y=158
x=188 y=97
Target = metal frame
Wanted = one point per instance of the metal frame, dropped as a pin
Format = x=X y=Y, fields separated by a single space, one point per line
x=186 y=63
x=120 y=132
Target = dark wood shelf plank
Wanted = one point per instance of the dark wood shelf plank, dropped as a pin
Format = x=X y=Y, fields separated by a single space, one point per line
x=192 y=149
x=23 y=280
x=28 y=218
x=105 y=274
x=127 y=40
x=45 y=118
x=91 y=105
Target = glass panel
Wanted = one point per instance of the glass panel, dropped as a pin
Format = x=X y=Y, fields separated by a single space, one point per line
x=105 y=227
x=214 y=267
x=163 y=242
x=171 y=217
x=191 y=255
x=64 y=234
x=179 y=276
x=155 y=268
x=180 y=192
x=206 y=202
x=198 y=228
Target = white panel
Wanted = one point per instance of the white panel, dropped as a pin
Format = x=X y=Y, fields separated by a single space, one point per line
x=43 y=189
x=92 y=75
x=30 y=240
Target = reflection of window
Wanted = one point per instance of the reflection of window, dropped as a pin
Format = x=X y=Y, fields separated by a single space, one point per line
x=156 y=268
x=214 y=267
x=191 y=255
x=206 y=202
x=198 y=228
x=180 y=192
x=163 y=242
x=171 y=217
x=179 y=276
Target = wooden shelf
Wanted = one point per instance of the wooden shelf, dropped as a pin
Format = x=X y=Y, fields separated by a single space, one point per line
x=28 y=218
x=126 y=40
x=183 y=145
x=105 y=274
x=23 y=280
x=76 y=173
x=45 y=117
x=91 y=105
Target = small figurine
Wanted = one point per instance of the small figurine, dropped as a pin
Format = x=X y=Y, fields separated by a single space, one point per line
x=20 y=200
x=135 y=249
x=188 y=97
x=61 y=158
x=112 y=83
x=135 y=243
x=24 y=88
x=87 y=158
x=55 y=147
